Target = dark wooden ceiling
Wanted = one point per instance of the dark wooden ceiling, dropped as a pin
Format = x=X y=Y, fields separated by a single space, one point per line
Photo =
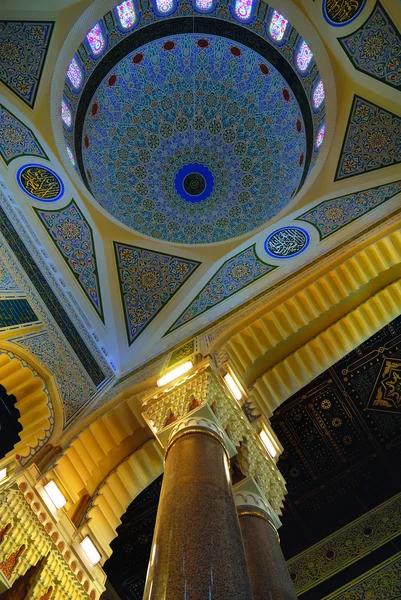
x=342 y=450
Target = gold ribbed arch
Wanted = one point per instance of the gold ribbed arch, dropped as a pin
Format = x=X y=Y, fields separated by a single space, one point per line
x=287 y=345
x=36 y=407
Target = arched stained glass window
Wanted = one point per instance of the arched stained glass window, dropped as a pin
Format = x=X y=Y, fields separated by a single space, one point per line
x=243 y=9
x=320 y=135
x=126 y=14
x=204 y=5
x=96 y=39
x=74 y=74
x=278 y=25
x=65 y=113
x=164 y=7
x=318 y=95
x=70 y=156
x=304 y=56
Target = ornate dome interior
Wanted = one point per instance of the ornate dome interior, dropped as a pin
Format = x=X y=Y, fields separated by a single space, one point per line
x=204 y=180
x=197 y=137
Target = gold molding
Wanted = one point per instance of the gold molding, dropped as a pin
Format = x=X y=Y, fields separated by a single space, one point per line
x=321 y=352
x=256 y=513
x=280 y=331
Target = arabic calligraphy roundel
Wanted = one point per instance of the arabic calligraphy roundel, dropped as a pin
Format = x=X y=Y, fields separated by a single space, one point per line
x=40 y=183
x=287 y=242
x=341 y=12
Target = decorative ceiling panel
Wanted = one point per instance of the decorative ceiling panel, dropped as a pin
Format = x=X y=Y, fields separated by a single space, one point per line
x=372 y=140
x=375 y=48
x=342 y=441
x=332 y=215
x=72 y=234
x=192 y=157
x=16 y=139
x=148 y=280
x=235 y=274
x=23 y=49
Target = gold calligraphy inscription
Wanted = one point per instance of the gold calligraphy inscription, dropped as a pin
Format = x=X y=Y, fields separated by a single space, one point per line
x=40 y=183
x=341 y=11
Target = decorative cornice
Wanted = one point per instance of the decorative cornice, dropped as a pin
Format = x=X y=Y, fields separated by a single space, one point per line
x=346 y=546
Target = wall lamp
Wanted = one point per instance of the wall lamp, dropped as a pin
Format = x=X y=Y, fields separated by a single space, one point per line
x=171 y=375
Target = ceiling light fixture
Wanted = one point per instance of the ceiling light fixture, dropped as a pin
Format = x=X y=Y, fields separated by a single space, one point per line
x=232 y=386
x=268 y=444
x=53 y=491
x=180 y=370
x=90 y=550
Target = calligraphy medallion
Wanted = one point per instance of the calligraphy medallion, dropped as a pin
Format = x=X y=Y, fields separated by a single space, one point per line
x=342 y=12
x=287 y=242
x=40 y=183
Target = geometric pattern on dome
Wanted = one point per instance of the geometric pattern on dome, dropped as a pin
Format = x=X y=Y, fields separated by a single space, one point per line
x=339 y=13
x=234 y=275
x=16 y=139
x=71 y=233
x=332 y=215
x=193 y=99
x=148 y=280
x=372 y=140
x=23 y=49
x=375 y=48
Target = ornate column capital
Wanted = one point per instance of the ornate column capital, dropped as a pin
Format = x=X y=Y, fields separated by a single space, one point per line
x=200 y=425
x=249 y=504
x=201 y=400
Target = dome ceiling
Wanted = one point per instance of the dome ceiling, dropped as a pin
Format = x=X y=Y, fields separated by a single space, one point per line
x=197 y=137
x=193 y=139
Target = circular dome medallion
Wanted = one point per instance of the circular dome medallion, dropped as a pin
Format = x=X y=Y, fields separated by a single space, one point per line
x=195 y=142
x=287 y=242
x=40 y=183
x=194 y=182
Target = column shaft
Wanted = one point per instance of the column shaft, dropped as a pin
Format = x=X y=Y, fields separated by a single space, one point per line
x=197 y=551
x=270 y=579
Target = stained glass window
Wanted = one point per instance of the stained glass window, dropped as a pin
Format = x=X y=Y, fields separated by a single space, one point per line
x=70 y=156
x=74 y=74
x=126 y=14
x=243 y=9
x=65 y=114
x=278 y=25
x=318 y=94
x=304 y=56
x=204 y=4
x=164 y=6
x=320 y=135
x=96 y=39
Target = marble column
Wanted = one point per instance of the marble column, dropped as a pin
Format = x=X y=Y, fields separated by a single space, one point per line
x=270 y=578
x=197 y=551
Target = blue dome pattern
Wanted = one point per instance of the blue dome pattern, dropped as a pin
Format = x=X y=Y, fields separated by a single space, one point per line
x=198 y=99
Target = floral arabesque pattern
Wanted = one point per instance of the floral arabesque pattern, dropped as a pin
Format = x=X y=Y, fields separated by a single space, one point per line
x=148 y=280
x=193 y=99
x=375 y=48
x=23 y=49
x=331 y=215
x=235 y=274
x=73 y=237
x=16 y=139
x=372 y=140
